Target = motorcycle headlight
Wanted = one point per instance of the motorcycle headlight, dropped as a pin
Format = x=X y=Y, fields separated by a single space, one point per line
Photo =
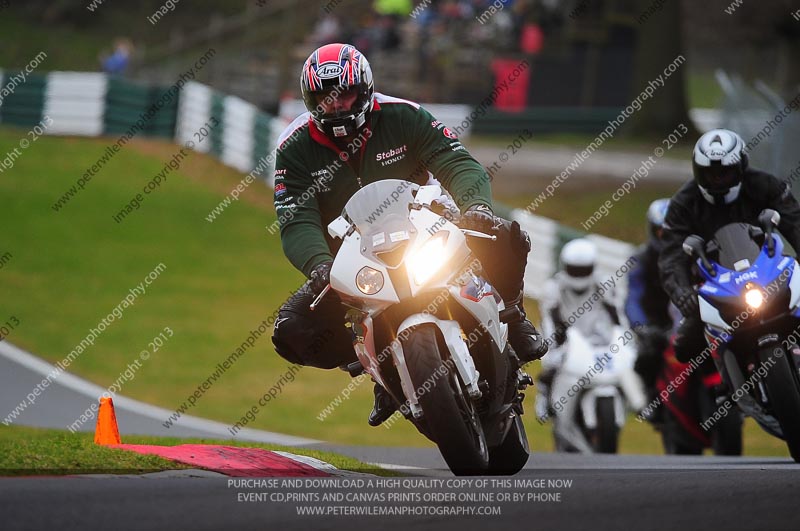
x=369 y=280
x=428 y=259
x=754 y=298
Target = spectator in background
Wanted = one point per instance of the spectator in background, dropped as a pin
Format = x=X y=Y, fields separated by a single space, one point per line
x=383 y=28
x=118 y=61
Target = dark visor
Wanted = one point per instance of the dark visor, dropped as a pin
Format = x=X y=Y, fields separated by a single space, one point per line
x=720 y=178
x=578 y=271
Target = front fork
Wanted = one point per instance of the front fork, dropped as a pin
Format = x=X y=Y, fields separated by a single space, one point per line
x=751 y=404
x=451 y=332
x=459 y=354
x=371 y=360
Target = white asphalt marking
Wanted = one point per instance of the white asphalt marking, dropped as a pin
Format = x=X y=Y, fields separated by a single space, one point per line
x=322 y=465
x=390 y=466
x=86 y=388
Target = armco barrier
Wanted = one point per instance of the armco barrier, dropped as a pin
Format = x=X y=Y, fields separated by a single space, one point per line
x=126 y=102
x=23 y=108
x=94 y=104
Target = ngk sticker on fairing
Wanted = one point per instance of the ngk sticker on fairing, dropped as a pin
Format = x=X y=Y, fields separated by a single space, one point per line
x=752 y=275
x=378 y=239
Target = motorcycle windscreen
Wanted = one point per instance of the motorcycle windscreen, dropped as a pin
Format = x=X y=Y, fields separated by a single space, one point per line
x=377 y=201
x=735 y=244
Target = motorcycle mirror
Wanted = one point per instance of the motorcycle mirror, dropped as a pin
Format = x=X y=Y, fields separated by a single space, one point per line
x=694 y=246
x=338 y=227
x=769 y=219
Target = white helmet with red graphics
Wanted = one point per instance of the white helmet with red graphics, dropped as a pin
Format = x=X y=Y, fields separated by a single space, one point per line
x=337 y=89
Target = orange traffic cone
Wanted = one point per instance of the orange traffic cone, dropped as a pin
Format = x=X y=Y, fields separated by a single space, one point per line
x=106 y=431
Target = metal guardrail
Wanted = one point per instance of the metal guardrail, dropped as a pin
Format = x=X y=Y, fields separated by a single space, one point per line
x=755 y=113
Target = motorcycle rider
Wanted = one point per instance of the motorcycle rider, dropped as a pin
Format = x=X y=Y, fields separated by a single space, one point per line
x=648 y=304
x=352 y=136
x=724 y=190
x=571 y=288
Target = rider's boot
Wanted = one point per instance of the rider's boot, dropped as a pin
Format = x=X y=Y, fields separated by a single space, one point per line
x=383 y=408
x=526 y=341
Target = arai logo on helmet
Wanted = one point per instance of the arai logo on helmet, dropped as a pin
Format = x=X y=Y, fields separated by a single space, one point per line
x=329 y=70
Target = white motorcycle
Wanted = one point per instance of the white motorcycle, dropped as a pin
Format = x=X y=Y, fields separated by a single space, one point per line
x=592 y=390
x=427 y=327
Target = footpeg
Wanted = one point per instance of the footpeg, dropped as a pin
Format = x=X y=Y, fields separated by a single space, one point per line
x=353 y=369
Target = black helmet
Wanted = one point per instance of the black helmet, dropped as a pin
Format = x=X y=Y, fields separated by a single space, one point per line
x=331 y=72
x=718 y=163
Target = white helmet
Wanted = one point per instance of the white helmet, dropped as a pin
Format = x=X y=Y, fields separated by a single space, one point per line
x=718 y=164
x=577 y=262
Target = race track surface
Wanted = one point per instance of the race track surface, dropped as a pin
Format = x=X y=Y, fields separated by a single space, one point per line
x=554 y=491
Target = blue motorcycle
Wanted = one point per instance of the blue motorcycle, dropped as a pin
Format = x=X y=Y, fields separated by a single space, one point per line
x=750 y=304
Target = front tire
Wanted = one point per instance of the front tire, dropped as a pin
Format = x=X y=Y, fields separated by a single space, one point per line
x=727 y=436
x=607 y=432
x=449 y=416
x=783 y=390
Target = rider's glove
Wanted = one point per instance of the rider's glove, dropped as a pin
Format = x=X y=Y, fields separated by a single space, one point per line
x=686 y=301
x=320 y=277
x=479 y=218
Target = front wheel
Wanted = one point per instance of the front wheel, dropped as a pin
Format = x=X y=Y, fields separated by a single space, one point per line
x=783 y=390
x=449 y=416
x=607 y=433
x=726 y=438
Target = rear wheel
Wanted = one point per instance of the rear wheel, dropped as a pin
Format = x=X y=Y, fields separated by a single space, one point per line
x=607 y=432
x=783 y=390
x=449 y=416
x=509 y=457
